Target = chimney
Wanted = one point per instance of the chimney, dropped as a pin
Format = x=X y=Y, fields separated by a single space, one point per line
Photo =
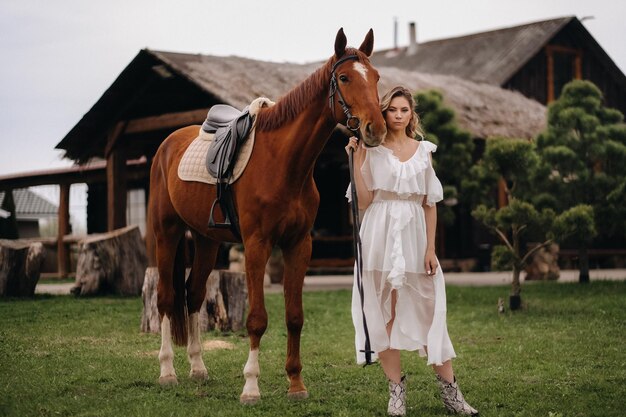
x=412 y=49
x=395 y=33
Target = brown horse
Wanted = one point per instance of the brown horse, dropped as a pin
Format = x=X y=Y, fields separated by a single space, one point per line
x=276 y=199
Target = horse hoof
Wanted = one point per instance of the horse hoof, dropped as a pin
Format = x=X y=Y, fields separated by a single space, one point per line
x=300 y=395
x=248 y=399
x=168 y=380
x=199 y=375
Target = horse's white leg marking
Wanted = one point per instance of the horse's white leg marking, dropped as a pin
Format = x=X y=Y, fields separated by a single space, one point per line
x=251 y=371
x=360 y=68
x=166 y=354
x=194 y=349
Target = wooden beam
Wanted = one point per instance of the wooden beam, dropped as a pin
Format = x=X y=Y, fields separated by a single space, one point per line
x=113 y=138
x=166 y=121
x=63 y=258
x=95 y=172
x=578 y=65
x=116 y=189
x=550 y=74
x=562 y=49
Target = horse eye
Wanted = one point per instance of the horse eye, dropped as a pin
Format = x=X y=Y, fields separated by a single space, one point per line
x=343 y=78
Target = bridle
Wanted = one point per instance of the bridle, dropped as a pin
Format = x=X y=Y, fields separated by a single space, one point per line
x=352 y=122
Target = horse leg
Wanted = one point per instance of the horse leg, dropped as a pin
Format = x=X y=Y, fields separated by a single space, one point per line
x=257 y=254
x=296 y=261
x=168 y=256
x=203 y=263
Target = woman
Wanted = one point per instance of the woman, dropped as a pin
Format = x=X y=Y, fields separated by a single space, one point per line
x=404 y=289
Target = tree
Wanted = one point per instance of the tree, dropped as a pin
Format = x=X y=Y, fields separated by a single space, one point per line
x=582 y=161
x=455 y=145
x=514 y=160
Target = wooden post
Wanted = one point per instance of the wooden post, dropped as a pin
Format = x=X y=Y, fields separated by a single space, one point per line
x=63 y=229
x=116 y=180
x=550 y=74
x=578 y=65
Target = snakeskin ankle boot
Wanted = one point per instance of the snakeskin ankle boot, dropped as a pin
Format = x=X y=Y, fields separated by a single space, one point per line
x=397 y=398
x=452 y=398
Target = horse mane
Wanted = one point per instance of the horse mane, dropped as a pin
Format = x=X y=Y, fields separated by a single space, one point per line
x=298 y=98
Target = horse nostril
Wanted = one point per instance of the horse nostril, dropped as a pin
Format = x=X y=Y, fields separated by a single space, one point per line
x=368 y=129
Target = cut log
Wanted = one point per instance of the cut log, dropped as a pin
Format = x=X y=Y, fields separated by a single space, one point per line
x=544 y=265
x=223 y=309
x=20 y=267
x=111 y=263
x=150 y=321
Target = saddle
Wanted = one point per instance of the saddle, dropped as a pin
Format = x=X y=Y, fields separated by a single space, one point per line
x=231 y=128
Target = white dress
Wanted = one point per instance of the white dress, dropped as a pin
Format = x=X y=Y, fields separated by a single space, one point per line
x=393 y=235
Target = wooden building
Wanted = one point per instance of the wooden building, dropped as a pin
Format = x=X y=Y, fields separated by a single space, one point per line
x=159 y=92
x=536 y=59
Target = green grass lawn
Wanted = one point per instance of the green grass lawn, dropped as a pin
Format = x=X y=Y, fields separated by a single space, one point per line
x=564 y=355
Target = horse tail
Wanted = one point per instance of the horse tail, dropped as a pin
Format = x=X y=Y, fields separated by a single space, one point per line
x=179 y=313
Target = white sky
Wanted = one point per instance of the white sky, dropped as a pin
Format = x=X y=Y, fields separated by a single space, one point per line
x=58 y=57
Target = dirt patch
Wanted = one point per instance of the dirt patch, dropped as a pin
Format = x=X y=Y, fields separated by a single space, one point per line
x=216 y=344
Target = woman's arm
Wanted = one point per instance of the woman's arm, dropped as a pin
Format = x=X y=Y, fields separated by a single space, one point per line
x=364 y=195
x=430 y=215
x=430 y=259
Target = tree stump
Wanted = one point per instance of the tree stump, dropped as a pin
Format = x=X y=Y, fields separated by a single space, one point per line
x=113 y=263
x=223 y=309
x=275 y=265
x=544 y=265
x=20 y=267
x=224 y=306
x=150 y=321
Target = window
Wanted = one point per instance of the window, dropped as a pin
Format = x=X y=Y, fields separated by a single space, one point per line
x=136 y=209
x=564 y=65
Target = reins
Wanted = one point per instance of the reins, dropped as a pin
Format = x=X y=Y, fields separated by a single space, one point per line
x=356 y=239
x=353 y=124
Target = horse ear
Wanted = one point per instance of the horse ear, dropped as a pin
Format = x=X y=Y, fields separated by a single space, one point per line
x=340 y=43
x=368 y=43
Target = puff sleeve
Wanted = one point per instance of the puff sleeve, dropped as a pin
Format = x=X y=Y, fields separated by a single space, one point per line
x=434 y=190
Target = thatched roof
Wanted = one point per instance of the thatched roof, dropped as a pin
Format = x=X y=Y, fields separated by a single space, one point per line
x=157 y=83
x=482 y=109
x=492 y=57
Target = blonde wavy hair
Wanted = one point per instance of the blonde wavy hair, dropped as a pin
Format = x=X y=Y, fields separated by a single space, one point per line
x=413 y=129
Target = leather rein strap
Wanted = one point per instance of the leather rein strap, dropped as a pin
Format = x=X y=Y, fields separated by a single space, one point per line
x=356 y=240
x=353 y=124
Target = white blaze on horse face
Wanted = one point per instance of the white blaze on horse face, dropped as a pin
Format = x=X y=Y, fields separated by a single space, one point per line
x=360 y=68
x=166 y=354
x=251 y=372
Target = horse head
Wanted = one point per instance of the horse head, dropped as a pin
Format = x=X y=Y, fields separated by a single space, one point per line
x=353 y=96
